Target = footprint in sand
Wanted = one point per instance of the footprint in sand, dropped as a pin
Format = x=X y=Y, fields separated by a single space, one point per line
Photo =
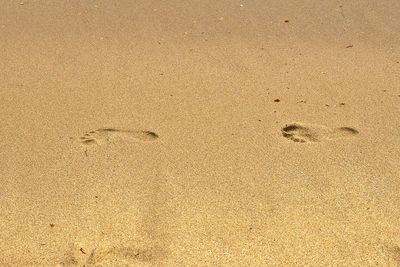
x=305 y=133
x=104 y=135
x=80 y=255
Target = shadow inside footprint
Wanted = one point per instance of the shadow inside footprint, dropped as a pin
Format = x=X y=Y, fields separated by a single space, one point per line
x=104 y=135
x=348 y=130
x=303 y=133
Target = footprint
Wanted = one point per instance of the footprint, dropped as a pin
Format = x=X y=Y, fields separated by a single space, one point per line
x=123 y=255
x=303 y=133
x=104 y=135
x=79 y=255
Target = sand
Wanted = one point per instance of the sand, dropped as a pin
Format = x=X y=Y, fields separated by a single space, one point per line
x=200 y=133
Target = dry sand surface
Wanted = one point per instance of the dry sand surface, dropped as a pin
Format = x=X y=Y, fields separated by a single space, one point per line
x=200 y=133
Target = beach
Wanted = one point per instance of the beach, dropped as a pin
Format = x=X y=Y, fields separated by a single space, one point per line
x=200 y=133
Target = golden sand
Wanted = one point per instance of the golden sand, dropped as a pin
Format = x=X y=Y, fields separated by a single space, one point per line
x=149 y=133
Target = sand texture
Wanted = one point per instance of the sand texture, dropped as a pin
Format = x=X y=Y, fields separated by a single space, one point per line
x=200 y=133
